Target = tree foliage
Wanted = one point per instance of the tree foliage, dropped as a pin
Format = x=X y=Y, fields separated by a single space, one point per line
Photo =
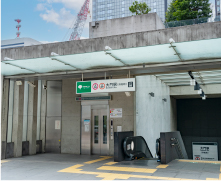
x=140 y=8
x=169 y=14
x=188 y=9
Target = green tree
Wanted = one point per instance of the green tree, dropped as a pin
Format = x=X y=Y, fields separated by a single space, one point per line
x=169 y=14
x=190 y=9
x=140 y=8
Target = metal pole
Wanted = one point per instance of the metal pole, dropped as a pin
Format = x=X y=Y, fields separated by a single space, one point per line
x=82 y=78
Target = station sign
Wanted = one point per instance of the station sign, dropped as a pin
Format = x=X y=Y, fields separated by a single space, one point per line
x=205 y=151
x=107 y=85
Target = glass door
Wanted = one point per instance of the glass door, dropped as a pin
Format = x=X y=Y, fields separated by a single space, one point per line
x=100 y=132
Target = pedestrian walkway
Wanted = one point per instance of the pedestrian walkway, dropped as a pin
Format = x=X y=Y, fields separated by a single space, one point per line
x=93 y=167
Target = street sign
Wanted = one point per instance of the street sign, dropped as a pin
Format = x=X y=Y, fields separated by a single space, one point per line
x=205 y=151
x=108 y=85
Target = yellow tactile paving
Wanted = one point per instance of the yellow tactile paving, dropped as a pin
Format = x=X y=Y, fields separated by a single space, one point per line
x=212 y=179
x=200 y=161
x=98 y=160
x=110 y=163
x=127 y=169
x=162 y=166
x=220 y=167
x=220 y=176
x=113 y=176
x=4 y=161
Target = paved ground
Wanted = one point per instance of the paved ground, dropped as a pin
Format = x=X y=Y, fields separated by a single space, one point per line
x=81 y=167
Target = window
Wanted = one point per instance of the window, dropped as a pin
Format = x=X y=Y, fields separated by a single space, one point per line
x=218 y=8
x=123 y=15
x=218 y=2
x=101 y=6
x=101 y=12
x=109 y=5
x=122 y=2
x=122 y=9
x=155 y=10
x=154 y=3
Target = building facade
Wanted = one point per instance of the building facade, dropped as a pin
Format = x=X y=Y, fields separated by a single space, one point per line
x=18 y=42
x=217 y=7
x=111 y=9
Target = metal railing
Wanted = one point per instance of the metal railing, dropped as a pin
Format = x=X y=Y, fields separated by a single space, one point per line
x=191 y=22
x=176 y=144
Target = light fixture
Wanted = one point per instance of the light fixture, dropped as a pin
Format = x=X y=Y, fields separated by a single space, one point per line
x=152 y=94
x=19 y=82
x=200 y=91
x=6 y=58
x=128 y=94
x=107 y=48
x=171 y=40
x=54 y=54
x=165 y=100
x=192 y=82
x=202 y=94
x=197 y=86
x=31 y=84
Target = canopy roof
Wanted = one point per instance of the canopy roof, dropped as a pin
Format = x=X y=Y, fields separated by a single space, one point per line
x=202 y=77
x=184 y=51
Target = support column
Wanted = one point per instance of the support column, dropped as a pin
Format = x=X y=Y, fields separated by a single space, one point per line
x=18 y=119
x=4 y=117
x=43 y=114
x=32 y=117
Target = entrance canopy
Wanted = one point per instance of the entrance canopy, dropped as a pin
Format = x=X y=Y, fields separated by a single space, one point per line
x=182 y=79
x=202 y=50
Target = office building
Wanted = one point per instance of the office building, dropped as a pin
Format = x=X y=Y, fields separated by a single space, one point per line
x=110 y=9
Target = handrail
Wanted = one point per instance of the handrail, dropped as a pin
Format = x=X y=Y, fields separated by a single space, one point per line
x=177 y=147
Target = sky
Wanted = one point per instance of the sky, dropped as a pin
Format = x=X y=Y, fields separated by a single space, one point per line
x=43 y=20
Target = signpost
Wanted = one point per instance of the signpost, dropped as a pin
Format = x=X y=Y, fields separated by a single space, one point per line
x=107 y=85
x=205 y=151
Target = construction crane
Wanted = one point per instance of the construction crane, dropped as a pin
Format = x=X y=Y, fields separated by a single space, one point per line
x=78 y=27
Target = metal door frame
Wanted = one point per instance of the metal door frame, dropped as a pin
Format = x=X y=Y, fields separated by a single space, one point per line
x=100 y=110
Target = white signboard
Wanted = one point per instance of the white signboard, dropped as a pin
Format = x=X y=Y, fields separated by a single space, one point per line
x=205 y=151
x=119 y=128
x=116 y=113
x=86 y=125
x=57 y=124
x=107 y=85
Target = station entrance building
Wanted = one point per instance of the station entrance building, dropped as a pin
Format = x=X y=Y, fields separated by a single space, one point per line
x=42 y=110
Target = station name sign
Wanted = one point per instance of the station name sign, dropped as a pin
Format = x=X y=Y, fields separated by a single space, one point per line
x=205 y=151
x=108 y=85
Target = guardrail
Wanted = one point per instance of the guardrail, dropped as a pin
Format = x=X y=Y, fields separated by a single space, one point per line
x=172 y=24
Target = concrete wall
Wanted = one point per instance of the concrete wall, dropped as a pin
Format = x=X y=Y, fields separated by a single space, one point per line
x=120 y=100
x=18 y=119
x=71 y=113
x=152 y=113
x=155 y=37
x=131 y=24
x=4 y=116
x=43 y=114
